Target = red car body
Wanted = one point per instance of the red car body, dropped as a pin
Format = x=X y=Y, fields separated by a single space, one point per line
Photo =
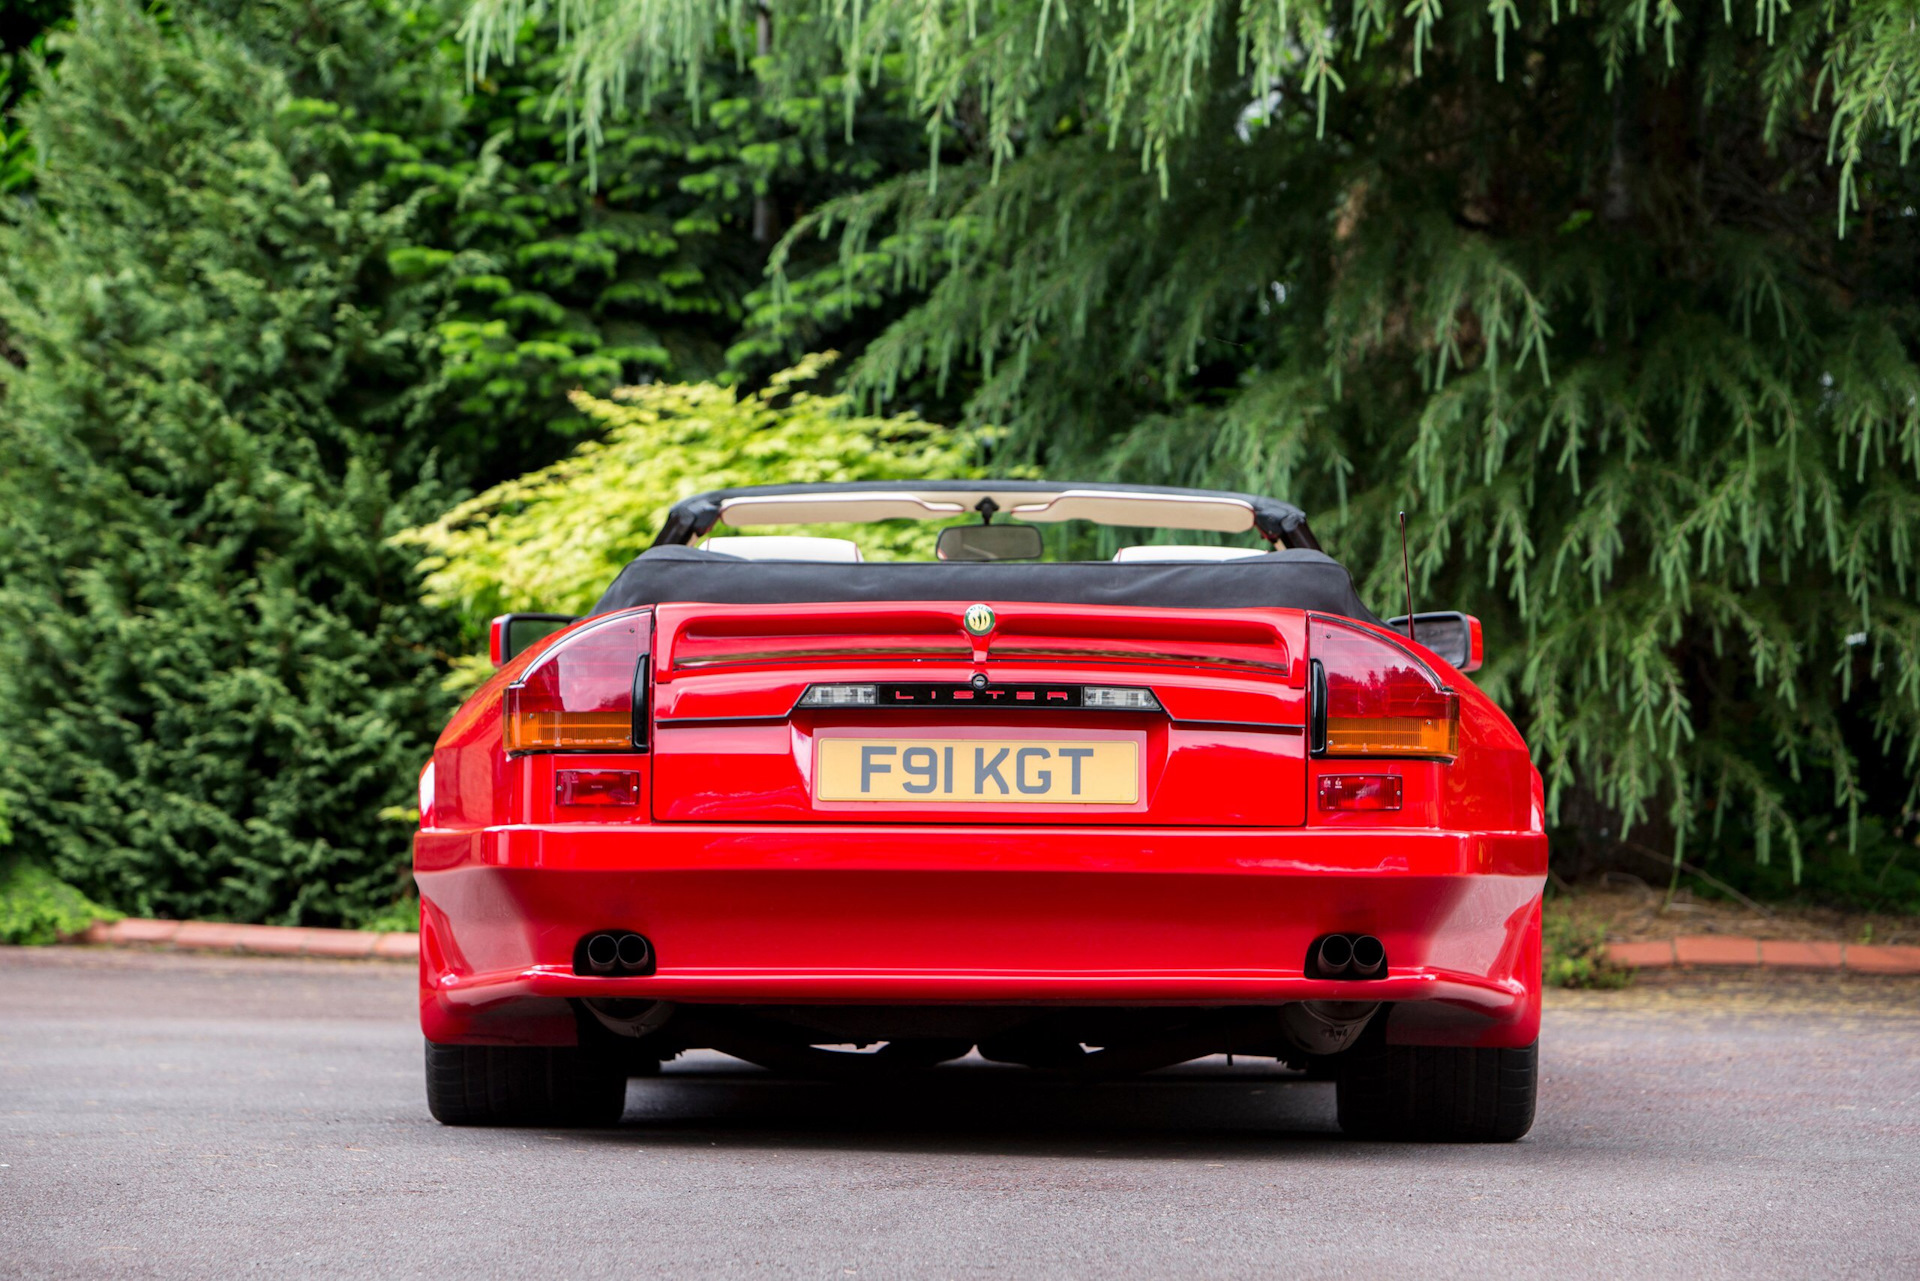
x=1240 y=848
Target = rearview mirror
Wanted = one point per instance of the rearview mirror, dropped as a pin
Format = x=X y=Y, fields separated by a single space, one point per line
x=989 y=542
x=1453 y=636
x=510 y=634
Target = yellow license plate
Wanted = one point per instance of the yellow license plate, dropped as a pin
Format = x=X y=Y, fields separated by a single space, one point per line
x=946 y=771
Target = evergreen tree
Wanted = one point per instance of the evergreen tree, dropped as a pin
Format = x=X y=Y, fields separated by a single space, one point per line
x=216 y=668
x=23 y=35
x=288 y=283
x=1617 y=300
x=547 y=283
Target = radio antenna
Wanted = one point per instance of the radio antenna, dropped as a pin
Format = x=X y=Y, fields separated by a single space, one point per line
x=1406 y=567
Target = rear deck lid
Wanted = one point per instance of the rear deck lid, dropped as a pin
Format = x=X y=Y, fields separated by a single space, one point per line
x=903 y=712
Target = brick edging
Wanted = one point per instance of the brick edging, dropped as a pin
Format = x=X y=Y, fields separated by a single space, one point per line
x=264 y=940
x=1722 y=950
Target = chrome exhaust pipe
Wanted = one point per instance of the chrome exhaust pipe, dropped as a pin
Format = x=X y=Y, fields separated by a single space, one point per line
x=603 y=953
x=1335 y=956
x=634 y=952
x=1369 y=957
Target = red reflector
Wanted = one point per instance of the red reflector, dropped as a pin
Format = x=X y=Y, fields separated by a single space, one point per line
x=1360 y=792
x=596 y=787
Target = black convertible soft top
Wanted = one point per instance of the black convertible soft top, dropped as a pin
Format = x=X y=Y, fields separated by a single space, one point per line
x=1294 y=578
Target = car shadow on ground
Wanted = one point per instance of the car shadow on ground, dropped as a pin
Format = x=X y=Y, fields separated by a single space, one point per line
x=1204 y=1109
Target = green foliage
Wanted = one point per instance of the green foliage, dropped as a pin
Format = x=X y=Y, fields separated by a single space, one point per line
x=36 y=908
x=1875 y=868
x=23 y=41
x=548 y=284
x=1573 y=947
x=287 y=284
x=216 y=669
x=1569 y=287
x=553 y=539
x=401 y=917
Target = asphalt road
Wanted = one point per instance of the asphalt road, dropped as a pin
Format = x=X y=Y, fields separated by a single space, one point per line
x=167 y=1115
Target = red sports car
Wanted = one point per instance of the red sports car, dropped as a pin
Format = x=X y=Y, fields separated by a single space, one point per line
x=859 y=819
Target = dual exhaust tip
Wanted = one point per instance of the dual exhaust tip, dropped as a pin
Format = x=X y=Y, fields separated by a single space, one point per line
x=613 y=953
x=1347 y=956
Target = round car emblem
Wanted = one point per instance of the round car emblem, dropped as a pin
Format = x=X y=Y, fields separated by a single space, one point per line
x=979 y=619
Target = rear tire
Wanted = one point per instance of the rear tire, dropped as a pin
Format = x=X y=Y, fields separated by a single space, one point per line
x=1442 y=1094
x=567 y=1086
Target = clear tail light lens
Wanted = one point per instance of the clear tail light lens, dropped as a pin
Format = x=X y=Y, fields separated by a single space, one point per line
x=1119 y=698
x=1376 y=699
x=585 y=694
x=840 y=696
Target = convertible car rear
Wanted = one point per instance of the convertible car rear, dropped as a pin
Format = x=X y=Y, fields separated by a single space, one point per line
x=858 y=819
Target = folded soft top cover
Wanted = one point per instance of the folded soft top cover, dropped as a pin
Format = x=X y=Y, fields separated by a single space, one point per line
x=1291 y=578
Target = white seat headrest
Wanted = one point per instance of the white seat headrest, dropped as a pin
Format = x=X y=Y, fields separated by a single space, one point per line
x=785 y=547
x=1184 y=551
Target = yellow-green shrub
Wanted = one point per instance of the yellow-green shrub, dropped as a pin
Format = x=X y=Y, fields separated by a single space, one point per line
x=554 y=538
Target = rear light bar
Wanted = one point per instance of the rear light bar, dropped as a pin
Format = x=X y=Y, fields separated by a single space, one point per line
x=1372 y=697
x=1113 y=698
x=587 y=693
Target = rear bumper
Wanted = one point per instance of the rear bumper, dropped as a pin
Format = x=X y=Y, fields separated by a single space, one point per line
x=822 y=914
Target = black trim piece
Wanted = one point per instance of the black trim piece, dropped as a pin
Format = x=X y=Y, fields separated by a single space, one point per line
x=1272 y=727
x=965 y=695
x=642 y=699
x=1316 y=708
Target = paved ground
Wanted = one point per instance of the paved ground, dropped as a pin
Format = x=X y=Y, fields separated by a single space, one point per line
x=169 y=1115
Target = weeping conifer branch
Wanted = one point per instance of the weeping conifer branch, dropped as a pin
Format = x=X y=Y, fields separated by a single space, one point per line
x=1609 y=296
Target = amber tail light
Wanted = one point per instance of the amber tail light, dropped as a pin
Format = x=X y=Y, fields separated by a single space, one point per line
x=1374 y=698
x=585 y=694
